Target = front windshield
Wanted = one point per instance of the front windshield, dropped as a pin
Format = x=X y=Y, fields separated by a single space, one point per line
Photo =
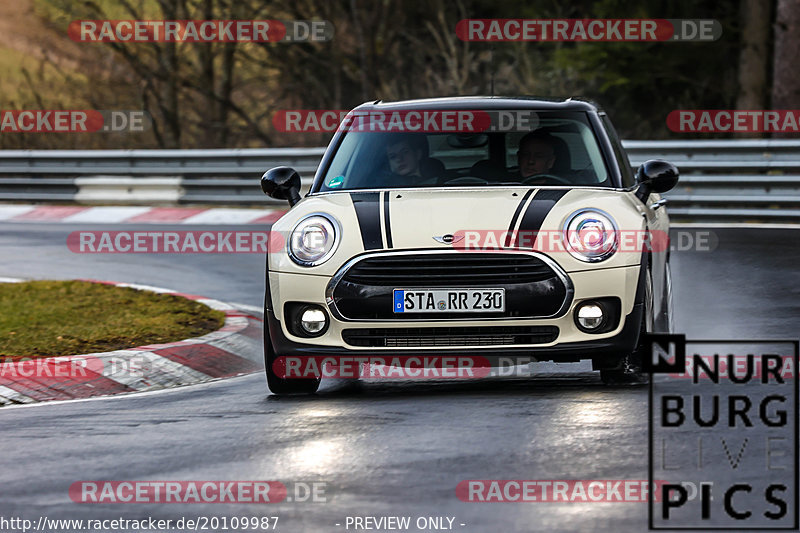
x=561 y=150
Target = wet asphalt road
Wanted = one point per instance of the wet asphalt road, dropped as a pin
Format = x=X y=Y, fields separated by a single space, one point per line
x=383 y=448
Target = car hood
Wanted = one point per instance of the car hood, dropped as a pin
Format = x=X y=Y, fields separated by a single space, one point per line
x=403 y=219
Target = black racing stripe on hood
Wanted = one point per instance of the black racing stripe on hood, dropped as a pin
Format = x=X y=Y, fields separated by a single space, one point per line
x=386 y=220
x=537 y=211
x=516 y=216
x=368 y=213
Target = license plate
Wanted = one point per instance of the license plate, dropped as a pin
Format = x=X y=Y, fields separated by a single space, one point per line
x=449 y=300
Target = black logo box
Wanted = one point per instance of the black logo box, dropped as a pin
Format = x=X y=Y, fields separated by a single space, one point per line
x=657 y=365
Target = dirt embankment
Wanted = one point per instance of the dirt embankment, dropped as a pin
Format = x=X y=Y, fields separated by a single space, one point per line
x=24 y=32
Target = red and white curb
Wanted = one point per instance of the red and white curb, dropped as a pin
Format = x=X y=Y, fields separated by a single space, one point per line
x=232 y=350
x=73 y=214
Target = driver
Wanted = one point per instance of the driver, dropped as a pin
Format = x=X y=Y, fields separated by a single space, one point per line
x=404 y=159
x=408 y=164
x=536 y=154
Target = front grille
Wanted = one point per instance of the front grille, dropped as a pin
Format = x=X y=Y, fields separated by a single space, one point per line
x=449 y=336
x=459 y=269
x=533 y=288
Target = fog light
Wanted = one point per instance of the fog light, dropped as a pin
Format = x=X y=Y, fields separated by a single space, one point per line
x=590 y=316
x=313 y=320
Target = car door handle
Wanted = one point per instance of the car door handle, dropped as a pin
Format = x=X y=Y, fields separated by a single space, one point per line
x=660 y=203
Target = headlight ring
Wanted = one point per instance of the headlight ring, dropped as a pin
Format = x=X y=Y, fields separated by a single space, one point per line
x=591 y=235
x=314 y=240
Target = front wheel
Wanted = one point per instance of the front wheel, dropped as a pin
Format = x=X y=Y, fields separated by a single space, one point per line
x=629 y=371
x=279 y=385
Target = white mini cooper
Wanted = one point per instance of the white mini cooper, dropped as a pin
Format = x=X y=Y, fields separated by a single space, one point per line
x=519 y=231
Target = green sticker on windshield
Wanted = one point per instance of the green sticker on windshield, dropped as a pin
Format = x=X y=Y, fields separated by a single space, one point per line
x=338 y=181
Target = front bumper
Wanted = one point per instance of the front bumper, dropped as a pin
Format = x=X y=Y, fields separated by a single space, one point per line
x=571 y=344
x=603 y=352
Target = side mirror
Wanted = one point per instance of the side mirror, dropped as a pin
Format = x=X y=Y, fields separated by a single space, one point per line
x=655 y=175
x=282 y=183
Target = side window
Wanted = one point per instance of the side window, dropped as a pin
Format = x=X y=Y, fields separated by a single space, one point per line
x=619 y=152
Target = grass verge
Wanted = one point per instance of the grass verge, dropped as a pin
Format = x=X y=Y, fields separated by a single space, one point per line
x=50 y=318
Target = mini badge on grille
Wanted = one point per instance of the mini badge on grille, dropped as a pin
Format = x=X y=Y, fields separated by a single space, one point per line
x=448 y=239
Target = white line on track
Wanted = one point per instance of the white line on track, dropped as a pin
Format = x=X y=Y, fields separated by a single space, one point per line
x=251 y=308
x=723 y=225
x=105 y=215
x=14 y=396
x=150 y=288
x=132 y=395
x=11 y=211
x=223 y=216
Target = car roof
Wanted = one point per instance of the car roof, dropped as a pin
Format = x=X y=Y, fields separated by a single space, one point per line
x=486 y=102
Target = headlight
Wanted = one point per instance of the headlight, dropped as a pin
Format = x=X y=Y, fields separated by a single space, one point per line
x=313 y=240
x=591 y=235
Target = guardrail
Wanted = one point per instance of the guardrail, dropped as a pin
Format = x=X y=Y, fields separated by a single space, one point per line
x=721 y=180
x=729 y=180
x=146 y=176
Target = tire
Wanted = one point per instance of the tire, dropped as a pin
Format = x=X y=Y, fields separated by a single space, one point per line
x=629 y=371
x=668 y=321
x=280 y=385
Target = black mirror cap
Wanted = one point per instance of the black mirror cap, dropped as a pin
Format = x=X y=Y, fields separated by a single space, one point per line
x=657 y=175
x=282 y=183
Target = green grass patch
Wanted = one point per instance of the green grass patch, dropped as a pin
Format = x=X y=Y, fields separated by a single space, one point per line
x=11 y=78
x=49 y=318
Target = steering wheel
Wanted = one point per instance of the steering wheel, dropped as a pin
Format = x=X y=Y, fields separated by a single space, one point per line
x=536 y=177
x=389 y=179
x=466 y=180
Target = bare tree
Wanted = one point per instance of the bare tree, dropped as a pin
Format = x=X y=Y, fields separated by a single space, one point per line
x=785 y=74
x=754 y=54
